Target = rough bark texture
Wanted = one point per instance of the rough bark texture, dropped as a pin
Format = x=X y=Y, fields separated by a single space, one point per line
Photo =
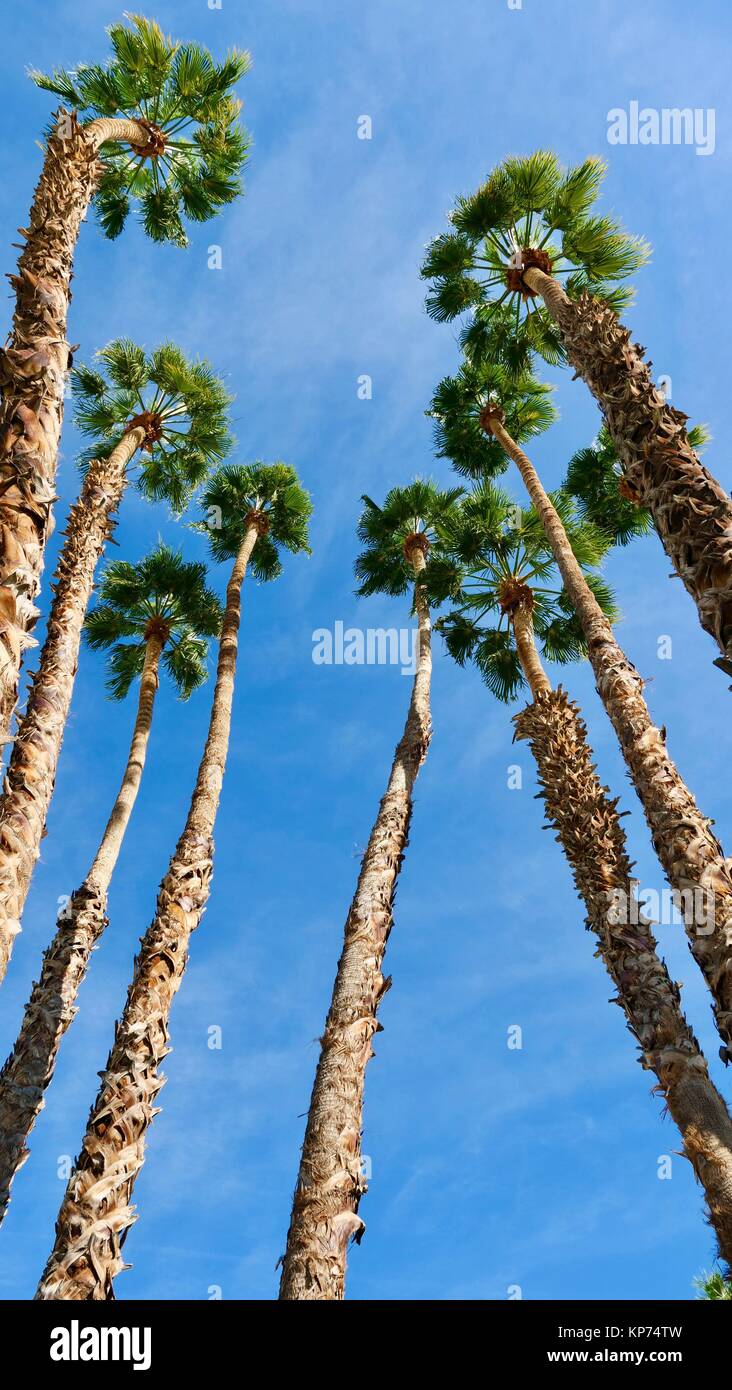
x=33 y=367
x=51 y=1008
x=691 y=510
x=96 y=1210
x=330 y=1182
x=588 y=828
x=31 y=772
x=689 y=851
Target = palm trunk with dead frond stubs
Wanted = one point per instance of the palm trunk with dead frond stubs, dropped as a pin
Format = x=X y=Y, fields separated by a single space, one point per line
x=589 y=830
x=688 y=850
x=330 y=1182
x=33 y=368
x=31 y=773
x=96 y=1210
x=51 y=1008
x=691 y=511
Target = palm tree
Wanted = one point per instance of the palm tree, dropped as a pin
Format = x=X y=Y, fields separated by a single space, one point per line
x=481 y=415
x=161 y=130
x=251 y=513
x=401 y=542
x=595 y=479
x=513 y=242
x=510 y=596
x=713 y=1286
x=156 y=612
x=170 y=417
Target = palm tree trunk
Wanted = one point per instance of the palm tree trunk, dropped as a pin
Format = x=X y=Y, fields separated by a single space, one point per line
x=29 y=1069
x=691 y=511
x=330 y=1182
x=688 y=850
x=591 y=835
x=33 y=369
x=31 y=772
x=528 y=655
x=95 y=1212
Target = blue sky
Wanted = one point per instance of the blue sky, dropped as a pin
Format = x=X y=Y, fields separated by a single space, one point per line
x=490 y=1168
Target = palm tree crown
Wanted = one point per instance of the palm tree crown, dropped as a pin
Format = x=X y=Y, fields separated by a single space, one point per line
x=411 y=517
x=530 y=212
x=182 y=406
x=162 y=594
x=462 y=402
x=595 y=479
x=713 y=1286
x=271 y=496
x=498 y=557
x=196 y=146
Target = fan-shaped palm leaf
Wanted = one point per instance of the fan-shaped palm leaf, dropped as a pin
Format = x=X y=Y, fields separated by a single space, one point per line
x=194 y=146
x=456 y=408
x=530 y=212
x=183 y=405
x=595 y=479
x=419 y=509
x=165 y=590
x=493 y=543
x=239 y=492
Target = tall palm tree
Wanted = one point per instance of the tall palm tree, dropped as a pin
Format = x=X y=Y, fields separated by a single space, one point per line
x=402 y=542
x=156 y=612
x=252 y=513
x=168 y=416
x=509 y=596
x=513 y=243
x=160 y=129
x=595 y=479
x=480 y=418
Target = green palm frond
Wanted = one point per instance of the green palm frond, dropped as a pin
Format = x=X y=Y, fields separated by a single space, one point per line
x=489 y=337
x=234 y=492
x=492 y=543
x=602 y=251
x=448 y=255
x=595 y=479
x=490 y=649
x=188 y=401
x=86 y=384
x=489 y=211
x=420 y=508
x=575 y=194
x=534 y=180
x=186 y=97
x=699 y=436
x=124 y=665
x=589 y=542
x=106 y=624
x=561 y=639
x=461 y=635
x=185 y=662
x=161 y=586
x=534 y=204
x=457 y=403
x=449 y=298
x=497 y=660
x=125 y=364
x=713 y=1286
